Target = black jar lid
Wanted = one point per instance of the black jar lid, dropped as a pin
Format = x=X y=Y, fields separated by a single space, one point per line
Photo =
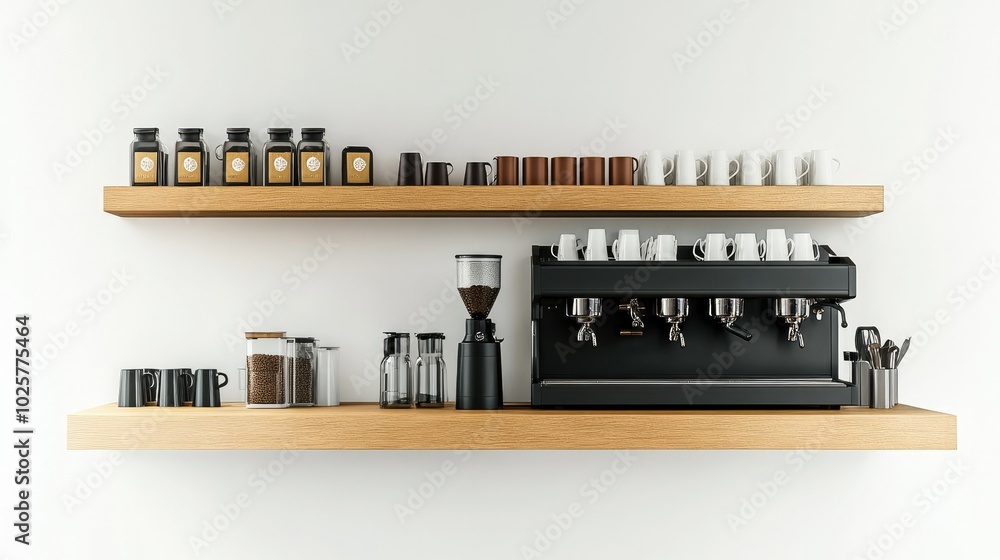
x=237 y=131
x=430 y=335
x=198 y=131
x=145 y=131
x=279 y=131
x=313 y=131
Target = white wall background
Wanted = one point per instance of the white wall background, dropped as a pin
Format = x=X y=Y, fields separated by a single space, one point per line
x=890 y=93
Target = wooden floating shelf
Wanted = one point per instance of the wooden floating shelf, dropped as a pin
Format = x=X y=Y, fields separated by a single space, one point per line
x=495 y=201
x=365 y=426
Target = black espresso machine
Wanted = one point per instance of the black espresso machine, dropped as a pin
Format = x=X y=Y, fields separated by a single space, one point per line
x=686 y=333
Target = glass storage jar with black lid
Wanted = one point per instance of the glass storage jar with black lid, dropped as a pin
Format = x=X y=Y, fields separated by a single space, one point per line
x=279 y=158
x=268 y=376
x=432 y=377
x=395 y=379
x=239 y=158
x=148 y=165
x=301 y=365
x=191 y=162
x=314 y=157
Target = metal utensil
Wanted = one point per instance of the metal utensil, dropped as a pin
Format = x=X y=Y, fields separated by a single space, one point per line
x=902 y=351
x=864 y=338
x=875 y=356
x=892 y=360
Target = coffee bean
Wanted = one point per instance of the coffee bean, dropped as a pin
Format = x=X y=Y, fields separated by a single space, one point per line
x=265 y=379
x=302 y=387
x=479 y=299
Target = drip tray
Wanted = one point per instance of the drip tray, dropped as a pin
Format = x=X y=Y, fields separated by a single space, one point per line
x=685 y=393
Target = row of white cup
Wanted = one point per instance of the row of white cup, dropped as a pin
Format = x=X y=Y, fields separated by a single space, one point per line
x=751 y=167
x=713 y=247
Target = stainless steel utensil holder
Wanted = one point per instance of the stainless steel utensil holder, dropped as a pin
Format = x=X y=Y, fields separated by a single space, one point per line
x=861 y=375
x=884 y=387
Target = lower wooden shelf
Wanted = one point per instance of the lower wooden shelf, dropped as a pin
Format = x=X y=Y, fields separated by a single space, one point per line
x=365 y=426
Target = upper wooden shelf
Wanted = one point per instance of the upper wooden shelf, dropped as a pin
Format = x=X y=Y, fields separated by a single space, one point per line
x=365 y=426
x=496 y=201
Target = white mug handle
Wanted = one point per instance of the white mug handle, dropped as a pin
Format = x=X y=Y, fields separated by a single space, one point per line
x=552 y=250
x=647 y=248
x=770 y=170
x=761 y=248
x=838 y=165
x=670 y=168
x=815 y=250
x=694 y=249
x=730 y=244
x=734 y=173
x=791 y=246
x=805 y=168
x=704 y=172
x=614 y=249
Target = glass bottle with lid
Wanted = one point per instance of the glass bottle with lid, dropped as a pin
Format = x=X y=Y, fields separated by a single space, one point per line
x=432 y=378
x=279 y=158
x=267 y=375
x=314 y=157
x=148 y=166
x=239 y=158
x=191 y=162
x=301 y=365
x=395 y=381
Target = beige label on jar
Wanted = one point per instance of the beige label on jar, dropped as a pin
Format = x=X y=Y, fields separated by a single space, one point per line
x=144 y=167
x=312 y=168
x=358 y=168
x=188 y=168
x=279 y=168
x=238 y=167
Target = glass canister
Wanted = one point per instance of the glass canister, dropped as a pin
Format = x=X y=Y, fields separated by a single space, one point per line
x=301 y=365
x=267 y=374
x=191 y=162
x=432 y=378
x=395 y=380
x=239 y=157
x=327 y=372
x=314 y=157
x=148 y=165
x=279 y=158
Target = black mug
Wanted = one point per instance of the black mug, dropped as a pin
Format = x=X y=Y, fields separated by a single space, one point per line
x=476 y=173
x=437 y=173
x=172 y=385
x=206 y=387
x=132 y=387
x=410 y=169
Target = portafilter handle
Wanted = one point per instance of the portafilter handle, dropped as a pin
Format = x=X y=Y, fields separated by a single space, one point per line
x=738 y=331
x=818 y=310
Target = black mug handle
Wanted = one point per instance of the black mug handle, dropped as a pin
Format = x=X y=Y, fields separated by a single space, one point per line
x=152 y=383
x=188 y=380
x=224 y=383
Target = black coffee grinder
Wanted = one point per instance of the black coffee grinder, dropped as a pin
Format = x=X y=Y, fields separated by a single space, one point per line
x=480 y=385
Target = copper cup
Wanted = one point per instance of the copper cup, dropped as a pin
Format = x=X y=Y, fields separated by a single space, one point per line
x=506 y=171
x=621 y=170
x=564 y=170
x=535 y=170
x=592 y=170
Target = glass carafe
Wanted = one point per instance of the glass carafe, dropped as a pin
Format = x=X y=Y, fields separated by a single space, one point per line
x=395 y=381
x=432 y=378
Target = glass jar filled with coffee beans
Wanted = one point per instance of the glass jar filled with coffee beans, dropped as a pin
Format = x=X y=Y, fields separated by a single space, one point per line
x=268 y=375
x=301 y=365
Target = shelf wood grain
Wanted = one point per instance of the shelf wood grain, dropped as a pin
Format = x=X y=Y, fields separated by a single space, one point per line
x=365 y=426
x=493 y=201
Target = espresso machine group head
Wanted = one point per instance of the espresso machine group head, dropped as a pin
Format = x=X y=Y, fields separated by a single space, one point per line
x=480 y=383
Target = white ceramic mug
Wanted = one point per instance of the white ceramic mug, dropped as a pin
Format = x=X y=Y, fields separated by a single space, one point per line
x=652 y=168
x=661 y=248
x=719 y=166
x=747 y=248
x=714 y=247
x=777 y=247
x=784 y=168
x=627 y=246
x=568 y=248
x=597 y=246
x=821 y=168
x=752 y=168
x=686 y=169
x=804 y=248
